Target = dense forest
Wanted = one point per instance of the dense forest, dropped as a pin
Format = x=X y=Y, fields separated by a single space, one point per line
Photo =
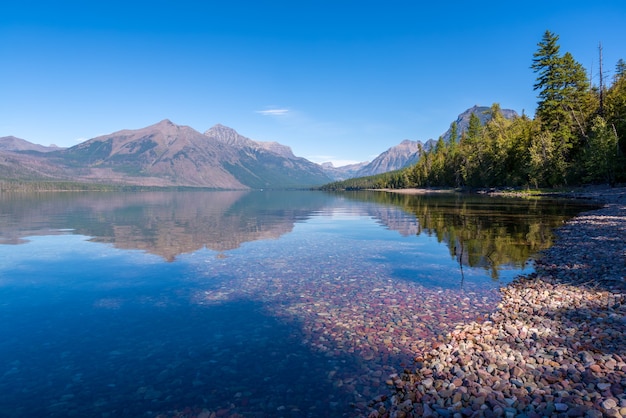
x=578 y=136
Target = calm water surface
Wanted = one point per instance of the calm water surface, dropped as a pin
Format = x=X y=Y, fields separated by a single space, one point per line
x=259 y=304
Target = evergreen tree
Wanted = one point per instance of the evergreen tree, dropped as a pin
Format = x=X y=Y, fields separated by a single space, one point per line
x=546 y=62
x=620 y=69
x=499 y=144
x=454 y=132
x=541 y=170
x=615 y=112
x=564 y=94
x=472 y=153
x=437 y=169
x=520 y=136
x=575 y=98
x=601 y=160
x=564 y=105
x=453 y=161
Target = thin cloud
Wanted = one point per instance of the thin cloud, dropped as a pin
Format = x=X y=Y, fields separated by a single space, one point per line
x=273 y=112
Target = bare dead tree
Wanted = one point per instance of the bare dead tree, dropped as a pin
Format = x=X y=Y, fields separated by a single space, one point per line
x=601 y=109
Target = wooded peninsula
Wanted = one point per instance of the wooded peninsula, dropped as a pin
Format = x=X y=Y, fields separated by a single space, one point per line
x=577 y=137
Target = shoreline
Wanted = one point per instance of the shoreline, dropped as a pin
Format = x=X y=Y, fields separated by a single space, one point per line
x=554 y=346
x=417 y=191
x=600 y=194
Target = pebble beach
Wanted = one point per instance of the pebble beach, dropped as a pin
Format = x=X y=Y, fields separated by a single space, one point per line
x=553 y=347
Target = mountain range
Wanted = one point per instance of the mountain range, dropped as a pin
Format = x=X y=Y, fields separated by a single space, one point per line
x=170 y=155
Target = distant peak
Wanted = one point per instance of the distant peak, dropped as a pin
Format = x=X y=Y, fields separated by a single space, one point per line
x=228 y=135
x=165 y=123
x=220 y=128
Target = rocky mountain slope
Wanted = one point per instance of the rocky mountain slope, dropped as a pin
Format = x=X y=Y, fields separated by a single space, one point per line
x=402 y=155
x=462 y=121
x=11 y=143
x=166 y=154
x=343 y=172
x=231 y=137
x=267 y=164
x=163 y=154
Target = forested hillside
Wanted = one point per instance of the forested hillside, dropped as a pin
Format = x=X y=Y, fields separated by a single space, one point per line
x=578 y=136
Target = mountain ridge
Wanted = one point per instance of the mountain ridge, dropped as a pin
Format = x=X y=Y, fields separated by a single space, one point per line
x=12 y=143
x=169 y=155
x=232 y=137
x=163 y=154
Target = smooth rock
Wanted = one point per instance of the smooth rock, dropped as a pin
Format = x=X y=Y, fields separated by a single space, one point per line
x=561 y=407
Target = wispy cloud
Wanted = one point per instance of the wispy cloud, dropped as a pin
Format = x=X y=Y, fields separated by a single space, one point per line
x=272 y=112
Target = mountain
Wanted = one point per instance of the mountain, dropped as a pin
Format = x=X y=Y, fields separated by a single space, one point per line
x=409 y=152
x=231 y=137
x=267 y=164
x=462 y=121
x=163 y=154
x=402 y=155
x=24 y=165
x=343 y=172
x=166 y=154
x=21 y=160
x=11 y=143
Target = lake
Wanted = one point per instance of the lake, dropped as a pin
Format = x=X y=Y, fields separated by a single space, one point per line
x=254 y=304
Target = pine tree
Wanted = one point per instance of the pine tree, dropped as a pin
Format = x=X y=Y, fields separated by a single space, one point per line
x=563 y=89
x=454 y=132
x=565 y=104
x=601 y=162
x=615 y=107
x=472 y=153
x=453 y=160
x=575 y=93
x=541 y=170
x=499 y=146
x=620 y=69
x=546 y=62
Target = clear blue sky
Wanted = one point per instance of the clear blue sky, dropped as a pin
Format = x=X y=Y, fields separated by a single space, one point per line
x=335 y=80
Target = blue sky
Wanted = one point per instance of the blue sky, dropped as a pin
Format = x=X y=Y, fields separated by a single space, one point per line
x=335 y=80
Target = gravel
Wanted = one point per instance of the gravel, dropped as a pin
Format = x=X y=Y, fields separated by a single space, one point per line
x=554 y=346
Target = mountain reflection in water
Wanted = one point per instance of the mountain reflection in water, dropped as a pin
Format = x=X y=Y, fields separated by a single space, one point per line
x=480 y=232
x=251 y=303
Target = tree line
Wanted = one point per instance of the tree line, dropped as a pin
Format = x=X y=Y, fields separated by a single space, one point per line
x=40 y=185
x=578 y=136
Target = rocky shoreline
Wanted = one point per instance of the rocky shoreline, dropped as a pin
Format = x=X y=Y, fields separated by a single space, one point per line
x=554 y=347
